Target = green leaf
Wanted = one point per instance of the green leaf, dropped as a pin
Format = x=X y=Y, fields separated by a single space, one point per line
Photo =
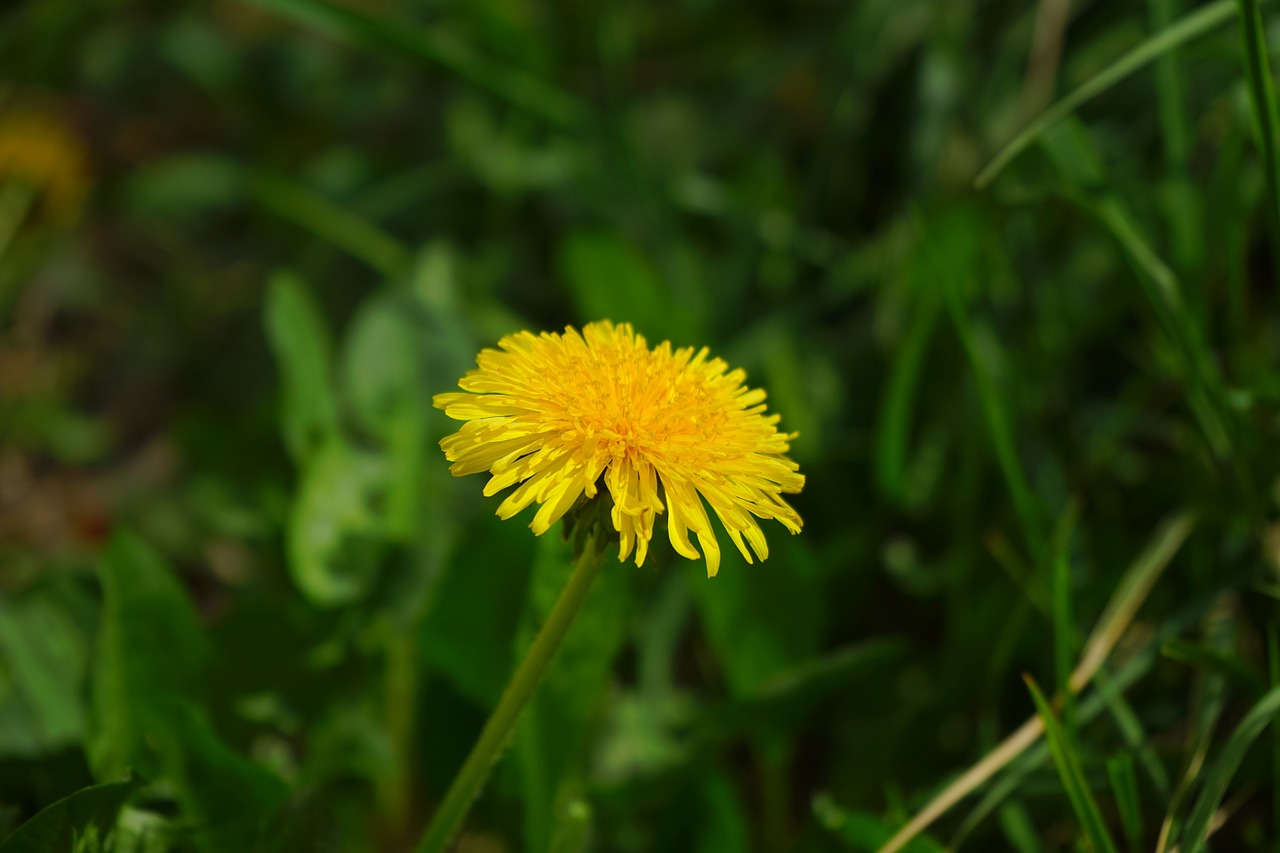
x=552 y=733
x=43 y=662
x=609 y=279
x=336 y=528
x=406 y=344
x=150 y=652
x=469 y=632
x=1219 y=776
x=753 y=638
x=1073 y=779
x=229 y=798
x=296 y=329
x=87 y=814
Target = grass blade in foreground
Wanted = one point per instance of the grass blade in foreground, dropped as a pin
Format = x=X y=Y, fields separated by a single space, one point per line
x=1215 y=784
x=1190 y=27
x=1069 y=770
x=1125 y=601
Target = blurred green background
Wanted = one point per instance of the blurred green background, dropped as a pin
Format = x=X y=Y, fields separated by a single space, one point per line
x=242 y=244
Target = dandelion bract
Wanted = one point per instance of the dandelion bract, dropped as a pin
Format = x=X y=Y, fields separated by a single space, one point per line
x=667 y=428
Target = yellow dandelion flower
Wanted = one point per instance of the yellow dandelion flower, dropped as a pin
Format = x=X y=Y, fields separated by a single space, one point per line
x=667 y=428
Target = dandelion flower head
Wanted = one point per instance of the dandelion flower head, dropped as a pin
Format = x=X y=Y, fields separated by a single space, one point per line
x=667 y=428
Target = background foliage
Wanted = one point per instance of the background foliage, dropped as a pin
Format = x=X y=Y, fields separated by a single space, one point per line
x=243 y=243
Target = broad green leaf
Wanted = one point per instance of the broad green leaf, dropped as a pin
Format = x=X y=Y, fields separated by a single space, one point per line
x=150 y=652
x=301 y=343
x=405 y=345
x=384 y=360
x=753 y=637
x=553 y=731
x=468 y=633
x=229 y=799
x=44 y=643
x=609 y=279
x=89 y=813
x=336 y=528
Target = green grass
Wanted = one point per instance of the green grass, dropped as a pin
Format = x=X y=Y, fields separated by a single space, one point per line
x=1031 y=358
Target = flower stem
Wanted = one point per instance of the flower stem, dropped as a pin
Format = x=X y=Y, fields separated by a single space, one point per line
x=493 y=739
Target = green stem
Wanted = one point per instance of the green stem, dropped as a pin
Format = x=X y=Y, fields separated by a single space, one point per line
x=467 y=784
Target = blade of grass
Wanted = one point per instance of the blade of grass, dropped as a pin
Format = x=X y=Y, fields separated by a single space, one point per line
x=1219 y=777
x=1018 y=829
x=1216 y=661
x=1137 y=666
x=1071 y=773
x=334 y=224
x=359 y=28
x=1063 y=617
x=894 y=428
x=1135 y=737
x=1208 y=701
x=982 y=349
x=1175 y=129
x=1190 y=27
x=1182 y=202
x=1075 y=158
x=1262 y=97
x=1124 y=784
x=1132 y=590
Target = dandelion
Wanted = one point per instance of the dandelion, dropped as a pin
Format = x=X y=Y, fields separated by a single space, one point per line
x=666 y=428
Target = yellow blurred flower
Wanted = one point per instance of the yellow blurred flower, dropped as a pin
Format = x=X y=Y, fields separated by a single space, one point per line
x=40 y=152
x=554 y=412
